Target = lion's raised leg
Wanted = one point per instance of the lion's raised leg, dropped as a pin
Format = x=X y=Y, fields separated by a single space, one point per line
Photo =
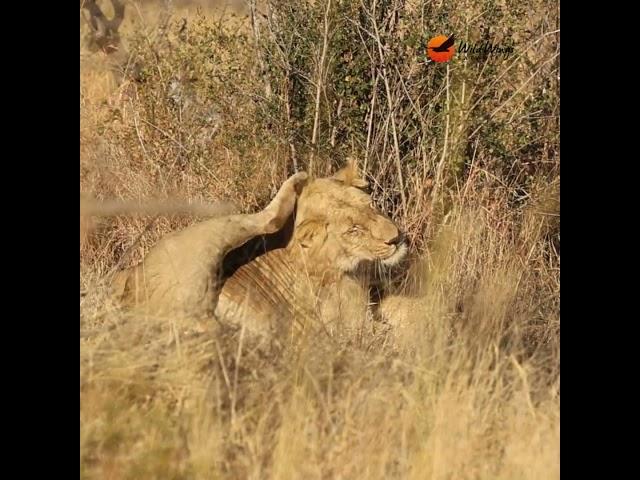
x=180 y=273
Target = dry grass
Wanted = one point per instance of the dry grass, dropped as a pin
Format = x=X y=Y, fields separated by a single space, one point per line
x=467 y=388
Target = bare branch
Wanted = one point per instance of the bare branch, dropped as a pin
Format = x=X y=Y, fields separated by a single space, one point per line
x=316 y=120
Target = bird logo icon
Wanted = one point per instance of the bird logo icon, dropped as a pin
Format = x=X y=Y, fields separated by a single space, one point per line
x=440 y=48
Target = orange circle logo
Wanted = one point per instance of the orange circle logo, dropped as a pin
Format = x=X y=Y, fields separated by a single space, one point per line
x=440 y=48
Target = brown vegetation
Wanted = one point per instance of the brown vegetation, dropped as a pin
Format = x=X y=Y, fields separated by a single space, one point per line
x=463 y=156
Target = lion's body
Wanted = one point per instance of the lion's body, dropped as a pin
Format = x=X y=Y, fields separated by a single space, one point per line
x=277 y=293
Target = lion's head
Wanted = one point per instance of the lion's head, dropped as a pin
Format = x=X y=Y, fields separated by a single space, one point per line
x=337 y=222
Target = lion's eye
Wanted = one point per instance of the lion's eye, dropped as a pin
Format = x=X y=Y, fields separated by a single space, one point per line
x=354 y=230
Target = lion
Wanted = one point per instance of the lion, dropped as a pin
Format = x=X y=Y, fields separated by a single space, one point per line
x=303 y=263
x=319 y=280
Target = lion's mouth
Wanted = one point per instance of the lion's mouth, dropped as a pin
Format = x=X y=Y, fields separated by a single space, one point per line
x=397 y=255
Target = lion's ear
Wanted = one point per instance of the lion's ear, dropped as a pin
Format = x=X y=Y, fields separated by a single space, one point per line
x=310 y=233
x=350 y=176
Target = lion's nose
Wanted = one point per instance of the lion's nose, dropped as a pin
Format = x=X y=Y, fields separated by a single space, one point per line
x=397 y=240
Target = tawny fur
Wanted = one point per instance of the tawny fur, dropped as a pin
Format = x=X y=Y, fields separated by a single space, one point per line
x=316 y=281
x=180 y=274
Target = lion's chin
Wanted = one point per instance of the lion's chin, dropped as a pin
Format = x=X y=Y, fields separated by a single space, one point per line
x=396 y=257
